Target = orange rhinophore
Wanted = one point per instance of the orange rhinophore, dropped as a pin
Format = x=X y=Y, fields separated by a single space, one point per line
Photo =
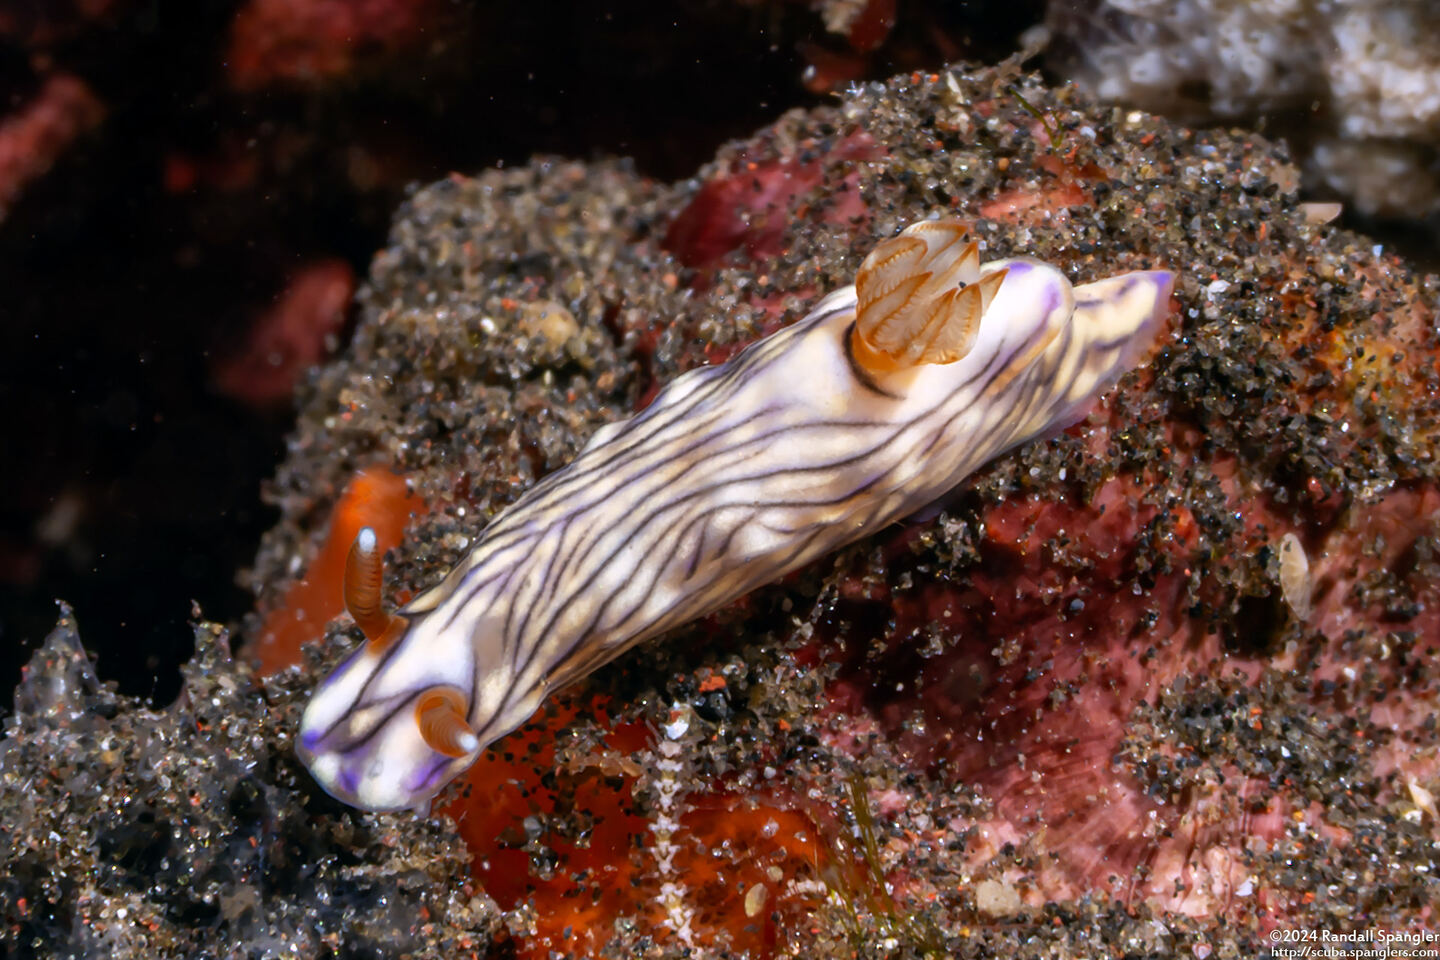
x=440 y=714
x=364 y=577
x=376 y=498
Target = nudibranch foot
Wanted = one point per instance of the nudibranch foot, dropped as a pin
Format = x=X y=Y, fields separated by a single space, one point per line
x=881 y=400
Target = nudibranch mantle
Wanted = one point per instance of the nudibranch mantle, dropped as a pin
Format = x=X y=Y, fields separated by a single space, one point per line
x=735 y=475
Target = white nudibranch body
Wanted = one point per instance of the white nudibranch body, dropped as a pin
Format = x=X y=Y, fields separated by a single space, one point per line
x=869 y=409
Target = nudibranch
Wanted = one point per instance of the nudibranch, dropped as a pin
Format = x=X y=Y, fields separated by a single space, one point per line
x=874 y=406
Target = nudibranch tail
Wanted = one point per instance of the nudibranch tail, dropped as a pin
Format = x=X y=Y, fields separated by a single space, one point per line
x=920 y=297
x=364 y=578
x=1114 y=322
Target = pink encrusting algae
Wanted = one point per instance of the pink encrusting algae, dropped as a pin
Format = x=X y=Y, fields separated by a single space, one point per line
x=35 y=136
